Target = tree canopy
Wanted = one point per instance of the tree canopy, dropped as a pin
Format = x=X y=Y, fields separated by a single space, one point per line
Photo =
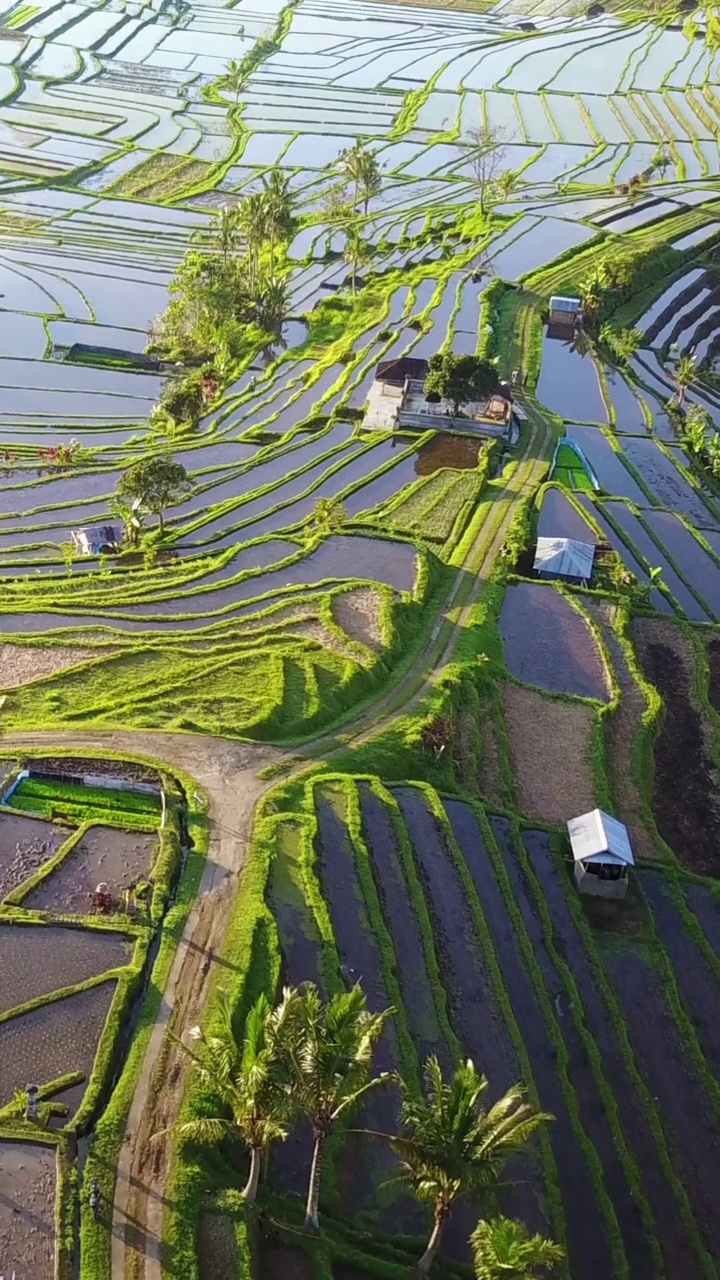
x=460 y=379
x=158 y=482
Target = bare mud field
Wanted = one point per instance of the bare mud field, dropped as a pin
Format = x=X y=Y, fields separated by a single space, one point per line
x=691 y=1127
x=548 y=643
x=35 y=960
x=685 y=799
x=358 y=613
x=587 y=1245
x=21 y=663
x=658 y=1193
x=53 y=1041
x=25 y=844
x=103 y=854
x=216 y=1248
x=550 y=748
x=458 y=452
x=621 y=729
x=27 y=1211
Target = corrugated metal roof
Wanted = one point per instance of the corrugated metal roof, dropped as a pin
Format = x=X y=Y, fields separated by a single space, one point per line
x=565 y=304
x=596 y=837
x=564 y=556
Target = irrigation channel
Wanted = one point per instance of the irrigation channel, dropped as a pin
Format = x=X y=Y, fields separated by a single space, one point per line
x=276 y=744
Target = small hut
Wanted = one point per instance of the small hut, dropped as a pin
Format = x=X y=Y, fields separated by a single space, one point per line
x=93 y=542
x=565 y=311
x=564 y=558
x=602 y=854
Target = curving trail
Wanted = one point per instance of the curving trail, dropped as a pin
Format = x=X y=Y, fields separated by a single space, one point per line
x=229 y=773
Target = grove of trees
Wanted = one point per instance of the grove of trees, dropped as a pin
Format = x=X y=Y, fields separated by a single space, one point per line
x=309 y=1059
x=460 y=379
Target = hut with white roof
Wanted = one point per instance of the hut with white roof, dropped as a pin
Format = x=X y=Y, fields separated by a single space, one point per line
x=602 y=854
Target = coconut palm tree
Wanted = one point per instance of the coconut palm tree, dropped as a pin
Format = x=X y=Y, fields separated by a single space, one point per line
x=278 y=207
x=360 y=167
x=270 y=300
x=356 y=252
x=252 y=222
x=226 y=232
x=332 y=1058
x=453 y=1146
x=249 y=1076
x=684 y=375
x=504 y=1250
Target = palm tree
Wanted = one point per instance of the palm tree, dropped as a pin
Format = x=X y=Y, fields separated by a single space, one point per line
x=227 y=232
x=252 y=222
x=332 y=1058
x=131 y=514
x=452 y=1146
x=250 y=1077
x=278 y=206
x=234 y=78
x=685 y=371
x=504 y=1250
x=356 y=252
x=361 y=168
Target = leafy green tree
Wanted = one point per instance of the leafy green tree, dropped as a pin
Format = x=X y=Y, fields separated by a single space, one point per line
x=329 y=515
x=249 y=1077
x=503 y=1249
x=252 y=217
x=460 y=379
x=360 y=168
x=332 y=1057
x=696 y=429
x=452 y=1146
x=356 y=253
x=132 y=516
x=623 y=343
x=684 y=375
x=158 y=482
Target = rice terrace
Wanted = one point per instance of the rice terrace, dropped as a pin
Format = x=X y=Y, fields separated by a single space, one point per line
x=359 y=681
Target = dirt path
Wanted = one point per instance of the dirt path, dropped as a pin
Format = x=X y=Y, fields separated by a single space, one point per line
x=228 y=771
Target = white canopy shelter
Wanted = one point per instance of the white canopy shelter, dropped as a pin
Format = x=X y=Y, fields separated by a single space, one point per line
x=565 y=558
x=598 y=839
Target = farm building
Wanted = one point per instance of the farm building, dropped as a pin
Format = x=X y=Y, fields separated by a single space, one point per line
x=92 y=542
x=397 y=400
x=565 y=311
x=602 y=854
x=564 y=558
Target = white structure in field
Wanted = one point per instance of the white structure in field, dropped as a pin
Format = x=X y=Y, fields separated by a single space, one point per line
x=565 y=558
x=602 y=853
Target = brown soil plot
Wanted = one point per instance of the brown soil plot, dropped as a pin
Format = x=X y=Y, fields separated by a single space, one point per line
x=685 y=799
x=25 y=845
x=550 y=747
x=358 y=613
x=35 y=960
x=20 y=663
x=621 y=730
x=53 y=1041
x=103 y=854
x=460 y=453
x=27 y=1210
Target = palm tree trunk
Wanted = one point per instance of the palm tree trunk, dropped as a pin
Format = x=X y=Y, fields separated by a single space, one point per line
x=312 y=1221
x=428 y=1257
x=250 y=1190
